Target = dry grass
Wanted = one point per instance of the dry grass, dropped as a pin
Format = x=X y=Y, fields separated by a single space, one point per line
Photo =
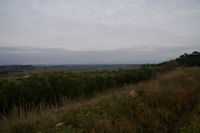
x=168 y=103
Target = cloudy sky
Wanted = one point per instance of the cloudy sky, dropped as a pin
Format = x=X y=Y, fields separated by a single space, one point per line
x=97 y=31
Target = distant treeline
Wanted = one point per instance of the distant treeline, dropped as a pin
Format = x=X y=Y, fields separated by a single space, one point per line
x=192 y=59
x=21 y=70
x=50 y=87
x=7 y=69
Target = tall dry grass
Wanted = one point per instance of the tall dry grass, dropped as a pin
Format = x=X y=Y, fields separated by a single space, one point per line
x=165 y=104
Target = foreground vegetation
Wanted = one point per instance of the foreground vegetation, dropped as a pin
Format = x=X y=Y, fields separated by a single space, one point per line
x=168 y=103
x=51 y=87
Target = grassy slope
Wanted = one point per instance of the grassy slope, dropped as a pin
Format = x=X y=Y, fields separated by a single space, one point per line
x=168 y=103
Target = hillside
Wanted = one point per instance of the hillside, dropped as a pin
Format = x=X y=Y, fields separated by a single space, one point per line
x=99 y=66
x=169 y=102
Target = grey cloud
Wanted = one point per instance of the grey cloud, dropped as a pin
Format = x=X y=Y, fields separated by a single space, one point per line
x=97 y=31
x=99 y=24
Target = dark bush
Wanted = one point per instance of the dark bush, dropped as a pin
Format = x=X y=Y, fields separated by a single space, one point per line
x=49 y=87
x=189 y=59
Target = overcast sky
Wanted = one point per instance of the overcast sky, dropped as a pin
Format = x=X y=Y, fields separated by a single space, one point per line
x=97 y=31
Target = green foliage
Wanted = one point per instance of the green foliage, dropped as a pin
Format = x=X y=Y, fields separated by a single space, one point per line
x=49 y=87
x=163 y=105
x=189 y=59
x=169 y=103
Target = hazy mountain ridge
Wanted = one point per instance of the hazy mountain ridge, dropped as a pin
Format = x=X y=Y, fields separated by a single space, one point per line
x=133 y=55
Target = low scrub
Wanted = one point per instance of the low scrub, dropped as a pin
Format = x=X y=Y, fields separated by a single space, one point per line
x=50 y=87
x=169 y=103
